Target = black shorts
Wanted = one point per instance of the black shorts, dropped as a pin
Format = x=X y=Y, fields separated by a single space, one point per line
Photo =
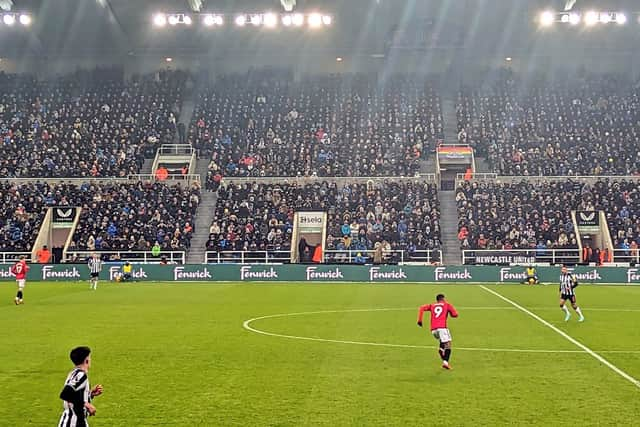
x=95 y=275
x=571 y=298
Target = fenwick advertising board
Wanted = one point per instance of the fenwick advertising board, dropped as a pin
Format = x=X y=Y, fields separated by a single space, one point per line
x=326 y=273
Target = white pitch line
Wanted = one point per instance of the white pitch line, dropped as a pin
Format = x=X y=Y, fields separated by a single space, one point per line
x=568 y=337
x=247 y=325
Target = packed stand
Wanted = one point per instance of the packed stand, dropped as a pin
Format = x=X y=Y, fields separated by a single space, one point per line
x=621 y=201
x=587 y=125
x=360 y=218
x=120 y=216
x=87 y=124
x=520 y=215
x=268 y=124
x=135 y=217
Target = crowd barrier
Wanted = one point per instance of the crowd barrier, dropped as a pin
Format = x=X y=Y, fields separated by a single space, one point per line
x=327 y=273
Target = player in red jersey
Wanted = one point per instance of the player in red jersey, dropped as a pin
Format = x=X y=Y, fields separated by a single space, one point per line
x=440 y=311
x=20 y=269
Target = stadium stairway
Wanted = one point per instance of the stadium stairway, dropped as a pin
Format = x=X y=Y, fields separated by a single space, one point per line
x=204 y=216
x=451 y=253
x=147 y=166
x=450 y=121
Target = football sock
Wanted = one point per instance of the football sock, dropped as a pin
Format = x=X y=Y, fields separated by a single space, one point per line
x=447 y=354
x=441 y=351
x=565 y=309
x=19 y=295
x=579 y=311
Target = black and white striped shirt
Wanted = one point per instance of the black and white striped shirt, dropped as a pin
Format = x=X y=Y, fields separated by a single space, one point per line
x=95 y=265
x=567 y=283
x=76 y=392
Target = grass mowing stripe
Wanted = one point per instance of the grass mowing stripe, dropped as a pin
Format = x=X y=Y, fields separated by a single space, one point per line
x=568 y=337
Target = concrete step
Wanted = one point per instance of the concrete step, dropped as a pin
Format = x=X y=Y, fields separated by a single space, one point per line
x=147 y=166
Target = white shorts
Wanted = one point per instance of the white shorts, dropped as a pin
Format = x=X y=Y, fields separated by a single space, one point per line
x=21 y=283
x=442 y=334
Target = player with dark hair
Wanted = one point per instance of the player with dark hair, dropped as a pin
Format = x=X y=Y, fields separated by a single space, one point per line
x=440 y=311
x=568 y=284
x=77 y=393
x=20 y=269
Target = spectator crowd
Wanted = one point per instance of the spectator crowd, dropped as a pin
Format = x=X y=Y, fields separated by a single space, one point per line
x=260 y=217
x=115 y=216
x=87 y=124
x=584 y=125
x=270 y=124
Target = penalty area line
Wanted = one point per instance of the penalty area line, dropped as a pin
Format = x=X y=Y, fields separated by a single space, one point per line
x=568 y=337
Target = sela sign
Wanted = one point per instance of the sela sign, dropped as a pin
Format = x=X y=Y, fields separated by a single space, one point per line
x=248 y=273
x=310 y=221
x=312 y=273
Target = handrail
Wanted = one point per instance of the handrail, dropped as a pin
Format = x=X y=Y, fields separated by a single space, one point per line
x=429 y=177
x=626 y=255
x=589 y=179
x=428 y=256
x=11 y=257
x=247 y=257
x=520 y=256
x=144 y=257
x=176 y=150
x=100 y=180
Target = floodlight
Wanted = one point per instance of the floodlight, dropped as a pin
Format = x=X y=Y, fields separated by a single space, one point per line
x=327 y=19
x=241 y=20
x=546 y=18
x=256 y=20
x=270 y=20
x=286 y=20
x=564 y=18
x=605 y=17
x=187 y=20
x=9 y=19
x=574 y=18
x=621 y=18
x=160 y=20
x=173 y=20
x=25 y=20
x=315 y=20
x=297 y=19
x=209 y=20
x=218 y=20
x=591 y=18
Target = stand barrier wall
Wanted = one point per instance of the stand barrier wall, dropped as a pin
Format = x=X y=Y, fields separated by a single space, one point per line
x=328 y=273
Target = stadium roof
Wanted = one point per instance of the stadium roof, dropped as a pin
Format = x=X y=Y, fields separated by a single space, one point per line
x=91 y=27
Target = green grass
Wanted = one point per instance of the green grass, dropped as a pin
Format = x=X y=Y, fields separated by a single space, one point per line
x=178 y=355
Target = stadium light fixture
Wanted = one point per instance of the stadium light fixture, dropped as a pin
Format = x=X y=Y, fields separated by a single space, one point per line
x=241 y=20
x=564 y=18
x=173 y=20
x=9 y=19
x=339 y=59
x=218 y=20
x=209 y=20
x=255 y=20
x=287 y=20
x=574 y=19
x=508 y=59
x=621 y=18
x=187 y=20
x=605 y=17
x=591 y=18
x=25 y=19
x=315 y=20
x=547 y=18
x=327 y=19
x=160 y=20
x=270 y=20
x=297 y=19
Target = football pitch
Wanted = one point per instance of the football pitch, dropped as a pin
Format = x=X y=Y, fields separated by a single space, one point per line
x=317 y=354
